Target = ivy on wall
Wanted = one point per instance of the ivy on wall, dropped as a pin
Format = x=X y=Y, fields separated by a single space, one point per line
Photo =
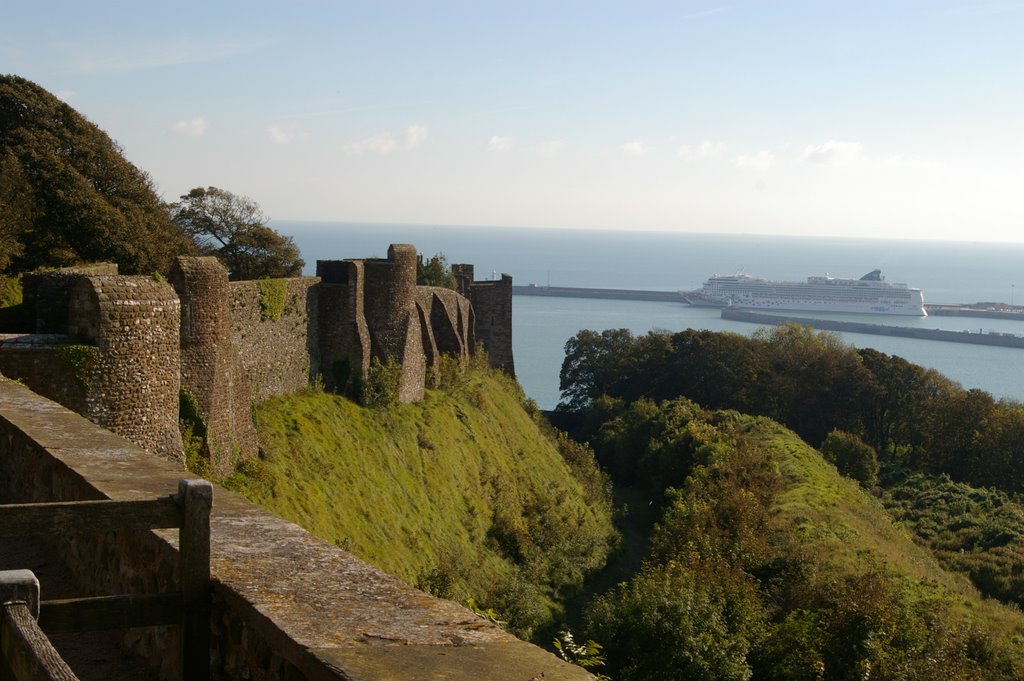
x=273 y=293
x=82 y=360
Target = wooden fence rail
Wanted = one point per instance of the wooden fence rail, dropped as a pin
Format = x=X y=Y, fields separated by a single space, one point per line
x=27 y=653
x=188 y=510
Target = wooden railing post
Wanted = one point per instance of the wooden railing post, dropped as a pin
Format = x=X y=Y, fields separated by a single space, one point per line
x=188 y=510
x=194 y=546
x=25 y=651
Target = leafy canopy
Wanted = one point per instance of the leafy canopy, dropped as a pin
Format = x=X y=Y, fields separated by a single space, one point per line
x=67 y=194
x=234 y=229
x=435 y=271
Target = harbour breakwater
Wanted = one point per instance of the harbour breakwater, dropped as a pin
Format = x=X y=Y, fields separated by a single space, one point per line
x=600 y=293
x=1006 y=340
x=981 y=310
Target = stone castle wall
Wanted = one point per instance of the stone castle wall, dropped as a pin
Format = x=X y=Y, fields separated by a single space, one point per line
x=134 y=322
x=107 y=347
x=49 y=363
x=492 y=310
x=344 y=335
x=446 y=319
x=211 y=368
x=390 y=310
x=47 y=293
x=278 y=347
x=132 y=343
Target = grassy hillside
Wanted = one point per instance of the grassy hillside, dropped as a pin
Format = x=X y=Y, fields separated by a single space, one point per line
x=847 y=529
x=767 y=564
x=462 y=494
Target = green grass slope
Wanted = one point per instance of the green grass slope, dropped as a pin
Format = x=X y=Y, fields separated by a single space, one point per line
x=848 y=529
x=847 y=534
x=768 y=564
x=462 y=494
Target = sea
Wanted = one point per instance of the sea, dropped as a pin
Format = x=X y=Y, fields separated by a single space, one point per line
x=948 y=272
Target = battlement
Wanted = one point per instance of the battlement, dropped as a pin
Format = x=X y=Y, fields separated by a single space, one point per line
x=492 y=309
x=112 y=352
x=138 y=346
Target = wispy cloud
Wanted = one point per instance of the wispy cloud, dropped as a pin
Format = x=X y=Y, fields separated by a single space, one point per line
x=833 y=152
x=284 y=134
x=551 y=148
x=705 y=13
x=191 y=127
x=982 y=10
x=707 y=149
x=635 y=148
x=123 y=58
x=387 y=142
x=381 y=143
x=415 y=135
x=66 y=95
x=499 y=143
x=762 y=160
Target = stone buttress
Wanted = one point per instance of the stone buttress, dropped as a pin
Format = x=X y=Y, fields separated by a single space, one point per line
x=211 y=369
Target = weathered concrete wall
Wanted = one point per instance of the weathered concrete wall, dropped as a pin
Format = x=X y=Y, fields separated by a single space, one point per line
x=211 y=369
x=285 y=604
x=278 y=348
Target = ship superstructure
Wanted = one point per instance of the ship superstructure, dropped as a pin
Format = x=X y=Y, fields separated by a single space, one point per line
x=871 y=294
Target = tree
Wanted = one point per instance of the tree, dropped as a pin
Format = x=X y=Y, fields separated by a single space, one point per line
x=851 y=456
x=814 y=381
x=67 y=195
x=234 y=229
x=718 y=370
x=434 y=271
x=595 y=364
x=675 y=621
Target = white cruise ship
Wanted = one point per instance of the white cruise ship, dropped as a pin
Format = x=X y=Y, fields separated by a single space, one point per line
x=871 y=294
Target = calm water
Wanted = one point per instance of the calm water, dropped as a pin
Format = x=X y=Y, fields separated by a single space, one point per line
x=949 y=272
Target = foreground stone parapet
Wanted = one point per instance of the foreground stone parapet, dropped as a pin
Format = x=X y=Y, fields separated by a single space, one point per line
x=286 y=604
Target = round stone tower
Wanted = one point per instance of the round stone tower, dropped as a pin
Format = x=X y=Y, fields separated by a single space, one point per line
x=211 y=369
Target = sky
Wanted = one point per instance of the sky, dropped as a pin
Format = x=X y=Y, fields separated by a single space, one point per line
x=901 y=118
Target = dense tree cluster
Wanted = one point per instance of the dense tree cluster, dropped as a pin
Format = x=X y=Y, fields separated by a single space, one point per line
x=727 y=588
x=813 y=384
x=67 y=195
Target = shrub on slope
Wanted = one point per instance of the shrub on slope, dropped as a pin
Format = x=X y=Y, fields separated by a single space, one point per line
x=972 y=530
